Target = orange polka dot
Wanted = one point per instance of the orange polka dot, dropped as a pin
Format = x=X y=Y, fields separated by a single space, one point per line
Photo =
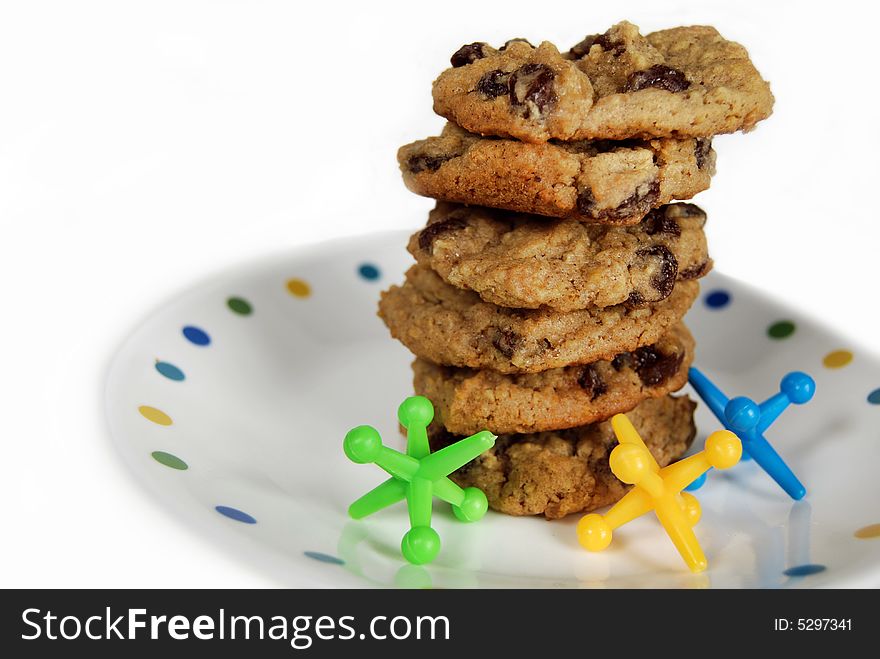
x=298 y=288
x=870 y=531
x=154 y=415
x=837 y=359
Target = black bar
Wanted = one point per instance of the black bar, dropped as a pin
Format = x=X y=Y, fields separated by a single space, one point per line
x=517 y=622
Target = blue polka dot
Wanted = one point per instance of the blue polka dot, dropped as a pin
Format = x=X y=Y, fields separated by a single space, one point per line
x=237 y=515
x=324 y=558
x=804 y=570
x=369 y=272
x=874 y=397
x=170 y=371
x=196 y=335
x=717 y=299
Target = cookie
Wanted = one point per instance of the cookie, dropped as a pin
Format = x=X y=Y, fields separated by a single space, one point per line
x=451 y=326
x=599 y=181
x=560 y=472
x=683 y=82
x=524 y=262
x=468 y=401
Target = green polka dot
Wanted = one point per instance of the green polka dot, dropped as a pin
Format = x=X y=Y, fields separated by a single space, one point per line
x=781 y=329
x=240 y=306
x=169 y=460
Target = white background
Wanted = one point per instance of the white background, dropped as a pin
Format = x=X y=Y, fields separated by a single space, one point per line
x=145 y=145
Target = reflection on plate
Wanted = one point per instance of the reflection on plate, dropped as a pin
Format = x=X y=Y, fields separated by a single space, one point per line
x=230 y=404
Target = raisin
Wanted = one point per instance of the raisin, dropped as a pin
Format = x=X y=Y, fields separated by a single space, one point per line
x=423 y=162
x=493 y=83
x=514 y=40
x=658 y=76
x=702 y=148
x=658 y=221
x=688 y=210
x=532 y=84
x=503 y=458
x=468 y=54
x=694 y=272
x=638 y=203
x=591 y=382
x=602 y=40
x=608 y=146
x=654 y=367
x=621 y=361
x=506 y=342
x=586 y=202
x=664 y=279
x=430 y=232
x=463 y=471
x=635 y=299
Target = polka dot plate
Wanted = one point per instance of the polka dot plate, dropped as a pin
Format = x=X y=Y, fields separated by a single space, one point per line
x=230 y=403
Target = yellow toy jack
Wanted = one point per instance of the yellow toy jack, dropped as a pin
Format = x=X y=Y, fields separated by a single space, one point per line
x=658 y=489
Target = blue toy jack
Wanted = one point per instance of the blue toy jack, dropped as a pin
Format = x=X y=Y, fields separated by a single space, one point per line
x=749 y=420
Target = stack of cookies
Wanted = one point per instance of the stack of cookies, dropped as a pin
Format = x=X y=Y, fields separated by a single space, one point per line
x=554 y=272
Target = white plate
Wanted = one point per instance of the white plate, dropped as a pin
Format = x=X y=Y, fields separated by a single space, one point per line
x=259 y=417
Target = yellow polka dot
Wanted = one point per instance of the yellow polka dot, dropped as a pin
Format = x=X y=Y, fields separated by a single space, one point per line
x=299 y=288
x=871 y=531
x=837 y=359
x=154 y=415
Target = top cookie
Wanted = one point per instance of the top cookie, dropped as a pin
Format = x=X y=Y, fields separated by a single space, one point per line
x=682 y=82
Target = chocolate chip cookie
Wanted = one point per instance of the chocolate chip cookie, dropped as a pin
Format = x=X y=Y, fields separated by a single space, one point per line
x=525 y=262
x=468 y=401
x=561 y=472
x=683 y=82
x=599 y=181
x=451 y=326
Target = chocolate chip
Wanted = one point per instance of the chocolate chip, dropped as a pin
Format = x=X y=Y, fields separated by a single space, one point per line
x=493 y=83
x=654 y=367
x=604 y=41
x=506 y=342
x=514 y=40
x=658 y=221
x=422 y=162
x=659 y=76
x=546 y=345
x=532 y=85
x=664 y=279
x=468 y=54
x=591 y=382
x=430 y=232
x=702 y=148
x=694 y=272
x=638 y=203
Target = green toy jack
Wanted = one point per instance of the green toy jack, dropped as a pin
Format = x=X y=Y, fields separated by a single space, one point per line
x=418 y=476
